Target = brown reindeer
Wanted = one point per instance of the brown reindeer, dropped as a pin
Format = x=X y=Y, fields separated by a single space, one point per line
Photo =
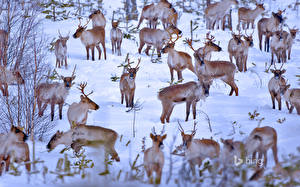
x=91 y=38
x=98 y=19
x=206 y=50
x=61 y=50
x=196 y=150
x=78 y=112
x=277 y=86
x=9 y=77
x=127 y=84
x=148 y=13
x=53 y=93
x=215 y=69
x=87 y=135
x=216 y=11
x=177 y=60
x=19 y=152
x=154 y=157
x=3 y=47
x=190 y=93
x=116 y=37
x=156 y=38
x=265 y=25
x=247 y=16
x=278 y=46
x=292 y=97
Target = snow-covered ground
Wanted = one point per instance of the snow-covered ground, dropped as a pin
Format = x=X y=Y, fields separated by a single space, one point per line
x=223 y=110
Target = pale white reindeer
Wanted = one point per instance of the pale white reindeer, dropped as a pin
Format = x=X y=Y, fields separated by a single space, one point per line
x=127 y=84
x=91 y=38
x=224 y=70
x=9 y=77
x=156 y=38
x=116 y=37
x=98 y=19
x=216 y=11
x=289 y=39
x=87 y=135
x=196 y=150
x=267 y=25
x=277 y=86
x=190 y=93
x=278 y=46
x=154 y=157
x=248 y=16
x=61 y=50
x=78 y=112
x=177 y=60
x=53 y=93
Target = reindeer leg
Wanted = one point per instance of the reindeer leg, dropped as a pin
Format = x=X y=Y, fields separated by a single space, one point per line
x=87 y=53
x=41 y=113
x=274 y=150
x=112 y=47
x=122 y=97
x=169 y=113
x=99 y=51
x=287 y=105
x=141 y=47
x=245 y=63
x=194 y=104
x=291 y=109
x=158 y=175
x=127 y=100
x=273 y=99
x=104 y=49
x=278 y=98
x=188 y=107
x=172 y=74
x=60 y=106
x=265 y=158
x=165 y=109
x=52 y=110
x=179 y=75
x=66 y=63
x=289 y=53
x=259 y=158
x=158 y=49
x=260 y=39
x=147 y=50
x=93 y=53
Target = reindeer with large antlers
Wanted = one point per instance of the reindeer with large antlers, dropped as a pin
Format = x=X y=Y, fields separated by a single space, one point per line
x=214 y=69
x=277 y=86
x=78 y=112
x=61 y=50
x=53 y=93
x=156 y=38
x=177 y=60
x=196 y=150
x=91 y=38
x=154 y=157
x=127 y=84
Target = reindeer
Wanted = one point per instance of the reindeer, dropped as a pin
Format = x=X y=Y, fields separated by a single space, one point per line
x=19 y=152
x=127 y=84
x=277 y=86
x=154 y=157
x=278 y=46
x=238 y=49
x=87 y=135
x=216 y=11
x=177 y=60
x=116 y=37
x=214 y=69
x=98 y=19
x=292 y=97
x=61 y=50
x=91 y=39
x=247 y=16
x=147 y=13
x=156 y=38
x=9 y=77
x=3 y=47
x=290 y=39
x=206 y=51
x=197 y=150
x=78 y=112
x=190 y=93
x=265 y=25
x=53 y=93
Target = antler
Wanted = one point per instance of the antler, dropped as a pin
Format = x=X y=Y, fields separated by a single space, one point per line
x=87 y=22
x=194 y=128
x=79 y=25
x=162 y=131
x=59 y=33
x=139 y=60
x=280 y=66
x=180 y=127
x=128 y=61
x=81 y=88
x=73 y=73
x=210 y=37
x=153 y=131
x=189 y=42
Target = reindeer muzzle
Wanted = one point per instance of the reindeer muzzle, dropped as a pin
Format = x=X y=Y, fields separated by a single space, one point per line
x=206 y=93
x=161 y=145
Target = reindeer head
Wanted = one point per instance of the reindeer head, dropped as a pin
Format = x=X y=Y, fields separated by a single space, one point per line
x=18 y=133
x=187 y=138
x=260 y=6
x=170 y=44
x=18 y=77
x=228 y=144
x=283 y=88
x=278 y=73
x=96 y=12
x=278 y=16
x=174 y=30
x=54 y=141
x=80 y=29
x=293 y=32
x=62 y=39
x=237 y=38
x=132 y=71
x=85 y=99
x=114 y=24
x=158 y=139
x=249 y=39
x=68 y=80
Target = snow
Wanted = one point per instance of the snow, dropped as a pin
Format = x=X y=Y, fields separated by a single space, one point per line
x=223 y=110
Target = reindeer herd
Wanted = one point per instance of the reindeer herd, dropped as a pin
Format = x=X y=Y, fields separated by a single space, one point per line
x=206 y=70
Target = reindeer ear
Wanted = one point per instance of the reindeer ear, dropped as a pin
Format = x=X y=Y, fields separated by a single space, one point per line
x=81 y=97
x=151 y=136
x=182 y=133
x=222 y=140
x=137 y=68
x=73 y=77
x=62 y=77
x=257 y=137
x=272 y=70
x=164 y=136
x=67 y=37
x=283 y=71
x=288 y=86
